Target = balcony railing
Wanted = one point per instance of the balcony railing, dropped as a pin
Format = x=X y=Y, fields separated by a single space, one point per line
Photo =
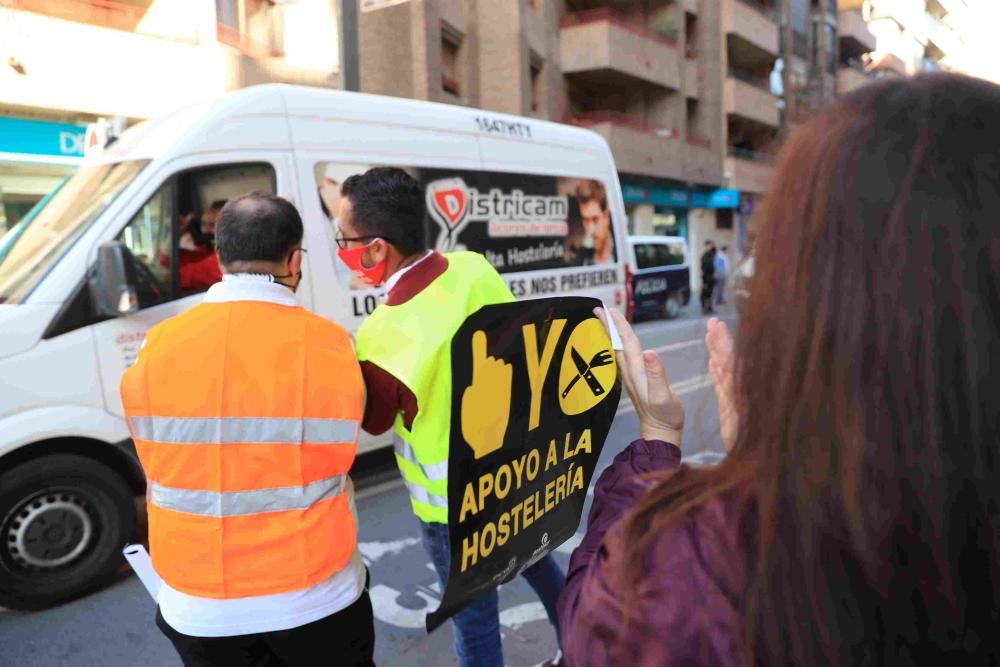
x=855 y=64
x=755 y=80
x=767 y=10
x=586 y=119
x=233 y=37
x=753 y=155
x=452 y=86
x=609 y=15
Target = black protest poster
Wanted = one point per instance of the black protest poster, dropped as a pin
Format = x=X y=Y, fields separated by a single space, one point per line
x=535 y=388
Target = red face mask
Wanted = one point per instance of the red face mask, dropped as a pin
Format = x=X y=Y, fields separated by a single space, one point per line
x=352 y=258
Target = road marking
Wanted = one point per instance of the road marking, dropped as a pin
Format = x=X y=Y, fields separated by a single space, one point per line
x=387 y=609
x=570 y=545
x=520 y=614
x=671 y=347
x=680 y=388
x=372 y=551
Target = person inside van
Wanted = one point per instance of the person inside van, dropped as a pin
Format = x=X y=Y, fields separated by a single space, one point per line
x=593 y=202
x=854 y=520
x=197 y=261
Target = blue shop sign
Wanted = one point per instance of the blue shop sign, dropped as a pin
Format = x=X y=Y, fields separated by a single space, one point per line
x=679 y=198
x=635 y=194
x=40 y=140
x=721 y=198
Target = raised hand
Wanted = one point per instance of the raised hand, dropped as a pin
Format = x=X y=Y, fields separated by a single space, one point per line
x=660 y=411
x=486 y=402
x=721 y=366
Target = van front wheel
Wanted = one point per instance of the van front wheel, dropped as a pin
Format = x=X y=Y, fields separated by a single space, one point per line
x=672 y=306
x=63 y=522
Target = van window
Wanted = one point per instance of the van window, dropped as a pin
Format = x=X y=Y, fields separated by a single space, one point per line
x=172 y=237
x=519 y=222
x=66 y=216
x=646 y=256
x=149 y=237
x=671 y=253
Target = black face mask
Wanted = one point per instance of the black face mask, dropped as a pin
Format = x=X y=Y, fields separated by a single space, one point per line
x=297 y=275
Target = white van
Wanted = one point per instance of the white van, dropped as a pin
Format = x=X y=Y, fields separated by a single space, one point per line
x=98 y=266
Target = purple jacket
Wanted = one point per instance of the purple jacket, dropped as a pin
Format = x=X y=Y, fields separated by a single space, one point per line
x=687 y=609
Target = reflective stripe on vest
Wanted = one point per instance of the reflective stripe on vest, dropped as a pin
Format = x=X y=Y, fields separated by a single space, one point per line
x=250 y=430
x=422 y=495
x=238 y=503
x=246 y=440
x=420 y=358
x=434 y=472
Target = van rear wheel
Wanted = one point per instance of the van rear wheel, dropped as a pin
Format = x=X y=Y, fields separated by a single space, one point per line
x=63 y=522
x=672 y=306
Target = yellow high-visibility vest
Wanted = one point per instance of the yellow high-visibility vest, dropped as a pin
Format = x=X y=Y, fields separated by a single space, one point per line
x=412 y=342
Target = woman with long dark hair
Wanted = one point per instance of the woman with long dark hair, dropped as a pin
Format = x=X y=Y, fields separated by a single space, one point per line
x=856 y=519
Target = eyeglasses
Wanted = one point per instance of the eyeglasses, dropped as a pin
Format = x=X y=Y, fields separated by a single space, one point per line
x=342 y=241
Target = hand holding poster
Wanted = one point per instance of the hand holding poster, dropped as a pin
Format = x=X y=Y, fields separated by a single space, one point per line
x=535 y=389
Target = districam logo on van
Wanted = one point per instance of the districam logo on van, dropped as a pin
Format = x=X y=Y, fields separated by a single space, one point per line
x=453 y=205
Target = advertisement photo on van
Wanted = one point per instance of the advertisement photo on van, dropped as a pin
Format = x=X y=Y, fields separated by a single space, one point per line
x=521 y=223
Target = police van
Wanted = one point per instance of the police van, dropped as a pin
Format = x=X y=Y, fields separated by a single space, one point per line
x=659 y=275
x=101 y=263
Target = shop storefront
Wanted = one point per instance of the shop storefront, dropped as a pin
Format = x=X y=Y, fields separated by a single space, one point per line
x=35 y=156
x=695 y=214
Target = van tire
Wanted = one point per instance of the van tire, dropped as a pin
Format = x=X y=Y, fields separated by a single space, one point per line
x=671 y=306
x=63 y=522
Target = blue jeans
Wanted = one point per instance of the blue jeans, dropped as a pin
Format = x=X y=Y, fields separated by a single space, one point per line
x=477 y=626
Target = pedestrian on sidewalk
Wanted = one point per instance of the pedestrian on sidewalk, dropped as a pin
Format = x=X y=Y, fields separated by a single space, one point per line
x=854 y=520
x=707 y=277
x=245 y=411
x=405 y=353
x=721 y=274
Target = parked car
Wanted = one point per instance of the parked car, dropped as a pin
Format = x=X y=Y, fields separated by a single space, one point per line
x=660 y=275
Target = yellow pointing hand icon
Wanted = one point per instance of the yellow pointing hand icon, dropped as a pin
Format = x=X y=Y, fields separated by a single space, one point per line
x=486 y=402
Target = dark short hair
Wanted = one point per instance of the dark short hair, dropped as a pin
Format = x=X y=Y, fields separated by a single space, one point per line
x=218 y=204
x=389 y=203
x=591 y=190
x=257 y=227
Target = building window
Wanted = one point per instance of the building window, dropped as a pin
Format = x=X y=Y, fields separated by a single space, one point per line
x=537 y=82
x=691 y=35
x=451 y=52
x=724 y=218
x=252 y=26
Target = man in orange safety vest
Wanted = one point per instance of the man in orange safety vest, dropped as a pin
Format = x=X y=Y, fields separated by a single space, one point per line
x=245 y=411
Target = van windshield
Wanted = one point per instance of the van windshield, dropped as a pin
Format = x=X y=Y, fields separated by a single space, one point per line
x=61 y=221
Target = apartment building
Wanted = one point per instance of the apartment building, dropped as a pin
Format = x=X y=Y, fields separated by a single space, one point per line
x=678 y=88
x=64 y=64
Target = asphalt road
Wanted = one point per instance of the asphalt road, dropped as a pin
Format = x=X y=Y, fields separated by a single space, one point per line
x=114 y=627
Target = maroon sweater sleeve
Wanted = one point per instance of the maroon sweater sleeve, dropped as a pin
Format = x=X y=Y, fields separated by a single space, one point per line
x=386 y=397
x=616 y=491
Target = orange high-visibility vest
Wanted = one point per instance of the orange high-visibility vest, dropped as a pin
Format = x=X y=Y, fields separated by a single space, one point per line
x=246 y=416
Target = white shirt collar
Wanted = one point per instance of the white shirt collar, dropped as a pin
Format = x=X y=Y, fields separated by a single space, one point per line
x=250 y=287
x=394 y=278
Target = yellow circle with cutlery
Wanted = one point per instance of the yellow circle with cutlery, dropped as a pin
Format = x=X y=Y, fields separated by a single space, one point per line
x=588 y=369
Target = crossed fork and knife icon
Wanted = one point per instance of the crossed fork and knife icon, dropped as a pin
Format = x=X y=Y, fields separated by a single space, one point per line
x=585 y=370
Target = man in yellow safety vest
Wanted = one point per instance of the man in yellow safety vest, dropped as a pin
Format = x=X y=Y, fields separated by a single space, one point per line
x=405 y=353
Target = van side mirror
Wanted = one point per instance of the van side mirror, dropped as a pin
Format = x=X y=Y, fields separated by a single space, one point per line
x=112 y=281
